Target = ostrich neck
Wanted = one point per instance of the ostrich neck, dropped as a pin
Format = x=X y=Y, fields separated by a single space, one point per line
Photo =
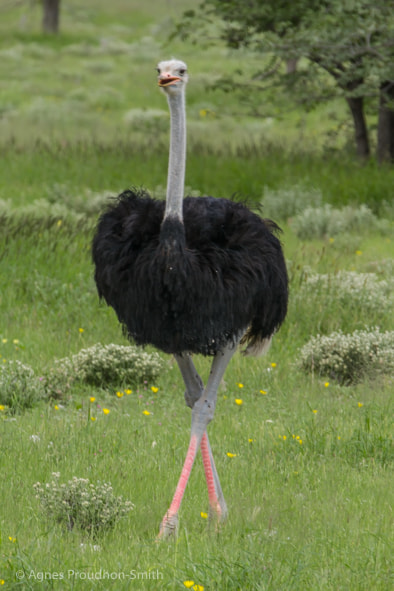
x=177 y=160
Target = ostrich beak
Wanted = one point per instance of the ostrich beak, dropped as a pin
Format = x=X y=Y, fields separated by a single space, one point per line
x=168 y=80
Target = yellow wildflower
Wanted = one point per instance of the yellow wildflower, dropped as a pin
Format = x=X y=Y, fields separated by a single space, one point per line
x=92 y=399
x=204 y=515
x=81 y=330
x=239 y=401
x=56 y=407
x=154 y=389
x=128 y=391
x=146 y=412
x=92 y=418
x=360 y=404
x=230 y=455
x=2 y=407
x=250 y=440
x=119 y=394
x=273 y=365
x=326 y=384
x=240 y=385
x=263 y=392
x=106 y=411
x=11 y=539
x=188 y=584
x=314 y=411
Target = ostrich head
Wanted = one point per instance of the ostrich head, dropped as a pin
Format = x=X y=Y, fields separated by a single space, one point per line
x=172 y=76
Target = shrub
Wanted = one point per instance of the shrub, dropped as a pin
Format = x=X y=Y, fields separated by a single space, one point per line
x=19 y=387
x=78 y=503
x=363 y=290
x=113 y=364
x=348 y=358
x=319 y=222
x=282 y=204
x=103 y=365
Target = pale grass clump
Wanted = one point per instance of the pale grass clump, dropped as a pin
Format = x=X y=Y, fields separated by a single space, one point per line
x=84 y=202
x=40 y=210
x=103 y=366
x=282 y=204
x=349 y=358
x=91 y=508
x=327 y=221
x=20 y=388
x=364 y=290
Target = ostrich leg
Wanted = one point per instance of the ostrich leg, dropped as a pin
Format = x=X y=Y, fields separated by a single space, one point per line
x=202 y=413
x=194 y=390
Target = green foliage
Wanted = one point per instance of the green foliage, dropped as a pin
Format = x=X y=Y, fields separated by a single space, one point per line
x=20 y=388
x=91 y=508
x=343 y=48
x=349 y=358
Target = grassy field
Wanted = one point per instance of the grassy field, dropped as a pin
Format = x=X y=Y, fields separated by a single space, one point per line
x=309 y=478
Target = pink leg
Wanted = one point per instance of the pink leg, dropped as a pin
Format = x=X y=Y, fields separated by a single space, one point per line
x=169 y=523
x=217 y=504
x=194 y=390
x=202 y=413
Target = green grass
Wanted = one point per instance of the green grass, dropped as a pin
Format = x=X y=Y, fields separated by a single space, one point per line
x=310 y=497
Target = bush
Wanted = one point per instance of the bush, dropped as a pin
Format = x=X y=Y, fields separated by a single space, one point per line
x=320 y=222
x=348 y=358
x=282 y=204
x=103 y=366
x=348 y=288
x=78 y=503
x=19 y=387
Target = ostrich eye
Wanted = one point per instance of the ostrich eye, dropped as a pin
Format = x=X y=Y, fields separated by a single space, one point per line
x=182 y=71
x=158 y=70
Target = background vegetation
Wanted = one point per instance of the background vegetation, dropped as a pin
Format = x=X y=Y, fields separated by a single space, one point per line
x=308 y=479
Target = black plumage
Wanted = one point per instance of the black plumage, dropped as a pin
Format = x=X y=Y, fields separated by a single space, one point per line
x=190 y=287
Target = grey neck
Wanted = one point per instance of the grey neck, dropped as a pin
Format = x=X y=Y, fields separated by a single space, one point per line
x=177 y=160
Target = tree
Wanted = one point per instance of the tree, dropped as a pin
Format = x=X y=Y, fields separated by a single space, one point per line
x=50 y=19
x=350 y=40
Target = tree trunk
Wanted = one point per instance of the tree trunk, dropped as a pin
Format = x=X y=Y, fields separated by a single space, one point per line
x=50 y=20
x=356 y=105
x=291 y=65
x=385 y=148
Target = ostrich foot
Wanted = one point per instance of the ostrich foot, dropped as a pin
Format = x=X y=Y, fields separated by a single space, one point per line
x=168 y=527
x=218 y=512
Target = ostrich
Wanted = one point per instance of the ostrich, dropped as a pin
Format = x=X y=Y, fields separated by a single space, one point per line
x=191 y=276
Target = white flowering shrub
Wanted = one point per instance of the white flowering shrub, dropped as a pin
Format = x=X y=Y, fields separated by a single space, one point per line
x=103 y=365
x=348 y=358
x=20 y=388
x=91 y=508
x=319 y=222
x=58 y=379
x=114 y=364
x=284 y=203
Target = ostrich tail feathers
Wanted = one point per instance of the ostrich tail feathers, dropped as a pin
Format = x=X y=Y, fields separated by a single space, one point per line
x=255 y=347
